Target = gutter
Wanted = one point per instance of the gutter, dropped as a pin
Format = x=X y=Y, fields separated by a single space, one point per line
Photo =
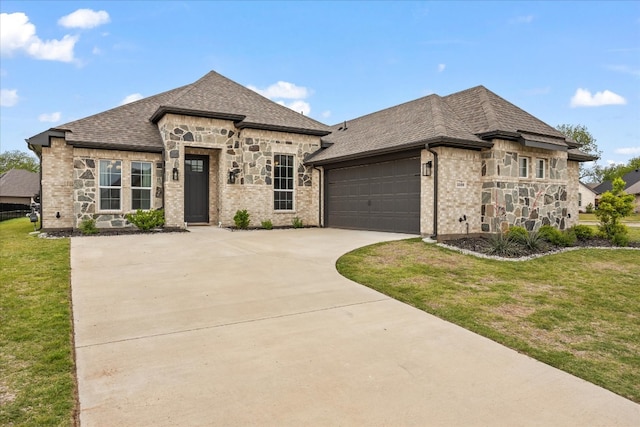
x=435 y=190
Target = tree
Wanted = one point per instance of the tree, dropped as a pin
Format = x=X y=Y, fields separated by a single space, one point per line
x=612 y=172
x=615 y=205
x=17 y=159
x=581 y=135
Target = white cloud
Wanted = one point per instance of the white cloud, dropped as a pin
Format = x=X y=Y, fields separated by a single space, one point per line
x=326 y=114
x=8 y=97
x=18 y=34
x=96 y=50
x=131 y=98
x=298 y=106
x=441 y=67
x=526 y=19
x=282 y=90
x=627 y=150
x=84 y=18
x=50 y=118
x=584 y=98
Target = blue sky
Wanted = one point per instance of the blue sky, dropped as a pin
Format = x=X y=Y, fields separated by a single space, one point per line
x=563 y=62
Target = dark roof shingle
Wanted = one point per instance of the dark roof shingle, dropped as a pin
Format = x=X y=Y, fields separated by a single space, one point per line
x=19 y=183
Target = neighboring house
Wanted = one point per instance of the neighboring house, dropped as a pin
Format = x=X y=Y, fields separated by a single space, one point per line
x=632 y=186
x=586 y=197
x=19 y=186
x=469 y=162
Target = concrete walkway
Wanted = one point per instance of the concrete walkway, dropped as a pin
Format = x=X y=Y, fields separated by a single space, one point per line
x=257 y=328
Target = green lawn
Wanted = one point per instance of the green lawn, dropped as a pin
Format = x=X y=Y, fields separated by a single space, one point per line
x=592 y=217
x=37 y=382
x=578 y=311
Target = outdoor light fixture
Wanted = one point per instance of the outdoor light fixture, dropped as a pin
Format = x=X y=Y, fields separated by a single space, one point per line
x=174 y=174
x=232 y=177
x=426 y=168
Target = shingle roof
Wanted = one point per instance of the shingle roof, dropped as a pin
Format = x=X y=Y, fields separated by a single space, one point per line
x=19 y=183
x=131 y=126
x=462 y=118
x=630 y=179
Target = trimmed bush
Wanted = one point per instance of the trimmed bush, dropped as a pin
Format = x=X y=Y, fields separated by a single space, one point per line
x=557 y=237
x=146 y=220
x=267 y=224
x=242 y=220
x=297 y=222
x=583 y=232
x=518 y=233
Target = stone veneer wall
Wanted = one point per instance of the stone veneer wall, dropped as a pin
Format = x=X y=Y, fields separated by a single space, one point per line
x=57 y=185
x=249 y=154
x=529 y=202
x=86 y=180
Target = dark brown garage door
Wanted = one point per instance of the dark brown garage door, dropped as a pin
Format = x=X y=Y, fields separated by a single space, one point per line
x=381 y=196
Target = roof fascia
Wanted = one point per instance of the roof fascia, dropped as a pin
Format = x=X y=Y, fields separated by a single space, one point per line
x=43 y=139
x=499 y=134
x=112 y=146
x=162 y=110
x=263 y=126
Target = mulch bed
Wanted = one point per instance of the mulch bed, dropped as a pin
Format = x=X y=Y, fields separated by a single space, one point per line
x=109 y=232
x=482 y=245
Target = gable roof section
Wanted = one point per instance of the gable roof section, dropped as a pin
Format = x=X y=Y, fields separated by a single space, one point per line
x=629 y=178
x=405 y=126
x=19 y=183
x=133 y=126
x=214 y=95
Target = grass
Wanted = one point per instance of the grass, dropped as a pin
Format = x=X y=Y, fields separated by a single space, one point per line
x=578 y=311
x=592 y=217
x=37 y=385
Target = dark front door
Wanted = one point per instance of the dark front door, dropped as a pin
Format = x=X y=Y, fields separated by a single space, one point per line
x=196 y=188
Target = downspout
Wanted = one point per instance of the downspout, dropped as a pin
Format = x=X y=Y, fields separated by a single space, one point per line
x=435 y=191
x=320 y=198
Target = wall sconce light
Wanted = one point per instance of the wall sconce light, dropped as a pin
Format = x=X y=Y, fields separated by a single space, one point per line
x=426 y=168
x=175 y=174
x=232 y=177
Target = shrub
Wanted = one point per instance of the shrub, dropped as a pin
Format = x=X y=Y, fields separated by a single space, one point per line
x=518 y=233
x=583 y=232
x=533 y=241
x=297 y=222
x=503 y=245
x=589 y=208
x=267 y=224
x=620 y=239
x=557 y=237
x=146 y=220
x=88 y=226
x=614 y=205
x=242 y=220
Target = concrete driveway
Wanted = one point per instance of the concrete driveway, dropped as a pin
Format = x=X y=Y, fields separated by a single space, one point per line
x=227 y=328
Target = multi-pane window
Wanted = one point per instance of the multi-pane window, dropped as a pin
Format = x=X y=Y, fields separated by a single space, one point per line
x=523 y=167
x=283 y=182
x=110 y=184
x=140 y=185
x=540 y=168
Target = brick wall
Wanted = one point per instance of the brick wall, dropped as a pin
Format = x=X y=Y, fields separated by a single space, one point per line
x=57 y=185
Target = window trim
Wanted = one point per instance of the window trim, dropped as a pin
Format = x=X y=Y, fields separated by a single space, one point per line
x=100 y=186
x=292 y=190
x=149 y=188
x=544 y=168
x=526 y=167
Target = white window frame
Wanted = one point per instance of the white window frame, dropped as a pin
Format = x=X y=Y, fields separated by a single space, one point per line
x=524 y=167
x=277 y=182
x=118 y=165
x=542 y=169
x=141 y=188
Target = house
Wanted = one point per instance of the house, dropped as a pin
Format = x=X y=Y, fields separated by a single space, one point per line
x=632 y=186
x=469 y=162
x=19 y=187
x=586 y=197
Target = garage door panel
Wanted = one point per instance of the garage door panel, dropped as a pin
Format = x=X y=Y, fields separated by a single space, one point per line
x=382 y=196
